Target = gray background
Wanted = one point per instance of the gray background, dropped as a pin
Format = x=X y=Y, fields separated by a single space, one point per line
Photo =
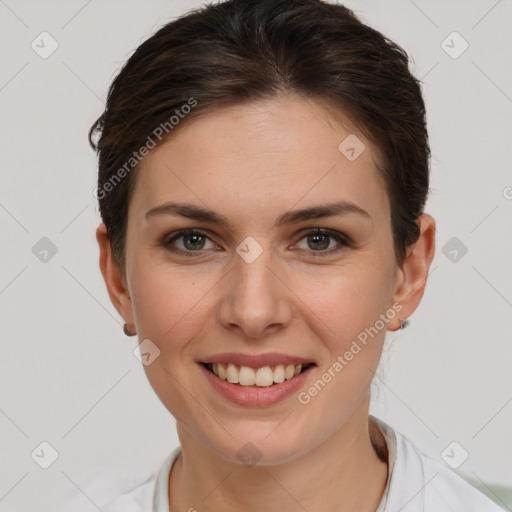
x=68 y=375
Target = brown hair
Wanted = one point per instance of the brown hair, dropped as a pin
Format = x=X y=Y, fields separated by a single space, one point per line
x=241 y=50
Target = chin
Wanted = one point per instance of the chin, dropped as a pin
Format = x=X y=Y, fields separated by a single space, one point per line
x=260 y=444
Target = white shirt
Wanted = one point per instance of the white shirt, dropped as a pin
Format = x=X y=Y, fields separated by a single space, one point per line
x=416 y=483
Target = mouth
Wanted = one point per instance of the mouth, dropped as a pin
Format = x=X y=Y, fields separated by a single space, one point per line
x=259 y=377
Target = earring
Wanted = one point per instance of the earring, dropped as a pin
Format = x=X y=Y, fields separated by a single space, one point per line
x=127 y=332
x=404 y=322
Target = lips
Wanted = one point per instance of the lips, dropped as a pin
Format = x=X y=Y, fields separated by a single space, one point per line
x=254 y=395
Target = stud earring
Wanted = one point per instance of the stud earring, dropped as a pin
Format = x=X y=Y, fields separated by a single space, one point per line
x=127 y=332
x=404 y=322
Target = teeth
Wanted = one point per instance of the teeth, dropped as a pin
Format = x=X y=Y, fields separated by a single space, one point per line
x=262 y=377
x=246 y=376
x=231 y=373
x=279 y=374
x=222 y=372
x=289 y=372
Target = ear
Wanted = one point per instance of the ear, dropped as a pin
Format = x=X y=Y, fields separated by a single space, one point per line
x=412 y=275
x=114 y=280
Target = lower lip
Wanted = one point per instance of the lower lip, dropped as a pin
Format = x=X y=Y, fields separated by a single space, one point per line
x=256 y=396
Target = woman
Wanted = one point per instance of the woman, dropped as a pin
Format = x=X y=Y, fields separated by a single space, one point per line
x=263 y=172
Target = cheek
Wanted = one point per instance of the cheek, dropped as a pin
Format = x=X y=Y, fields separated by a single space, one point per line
x=169 y=311
x=353 y=330
x=343 y=301
x=168 y=303
x=357 y=318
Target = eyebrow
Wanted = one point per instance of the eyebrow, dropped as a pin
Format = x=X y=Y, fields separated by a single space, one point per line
x=198 y=213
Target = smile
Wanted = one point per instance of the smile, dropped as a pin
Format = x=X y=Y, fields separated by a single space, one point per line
x=264 y=376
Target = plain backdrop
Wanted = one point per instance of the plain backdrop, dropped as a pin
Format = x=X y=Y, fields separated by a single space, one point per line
x=68 y=375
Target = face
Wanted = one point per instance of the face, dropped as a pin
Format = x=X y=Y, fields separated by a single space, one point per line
x=262 y=287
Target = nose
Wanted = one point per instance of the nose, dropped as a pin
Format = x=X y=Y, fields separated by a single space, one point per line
x=256 y=299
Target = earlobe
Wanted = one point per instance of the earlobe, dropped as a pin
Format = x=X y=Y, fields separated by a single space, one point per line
x=412 y=275
x=113 y=277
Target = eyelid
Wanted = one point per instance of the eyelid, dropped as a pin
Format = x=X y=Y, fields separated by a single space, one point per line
x=326 y=231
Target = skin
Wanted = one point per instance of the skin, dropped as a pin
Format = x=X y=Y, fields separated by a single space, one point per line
x=252 y=163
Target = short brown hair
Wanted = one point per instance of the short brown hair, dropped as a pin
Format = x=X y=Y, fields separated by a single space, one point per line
x=239 y=51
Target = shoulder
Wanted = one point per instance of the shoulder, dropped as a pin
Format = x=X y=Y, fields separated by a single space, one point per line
x=421 y=483
x=151 y=495
x=139 y=499
x=445 y=488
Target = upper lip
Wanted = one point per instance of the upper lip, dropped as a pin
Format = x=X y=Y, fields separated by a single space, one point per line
x=256 y=361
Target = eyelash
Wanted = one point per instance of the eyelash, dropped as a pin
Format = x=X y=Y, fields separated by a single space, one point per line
x=343 y=240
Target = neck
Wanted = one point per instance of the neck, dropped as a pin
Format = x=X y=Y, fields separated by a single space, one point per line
x=344 y=472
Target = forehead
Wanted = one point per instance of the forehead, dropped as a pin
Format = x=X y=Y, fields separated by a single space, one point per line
x=259 y=159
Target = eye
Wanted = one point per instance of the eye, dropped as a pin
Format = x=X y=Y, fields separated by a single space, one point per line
x=192 y=240
x=318 y=240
